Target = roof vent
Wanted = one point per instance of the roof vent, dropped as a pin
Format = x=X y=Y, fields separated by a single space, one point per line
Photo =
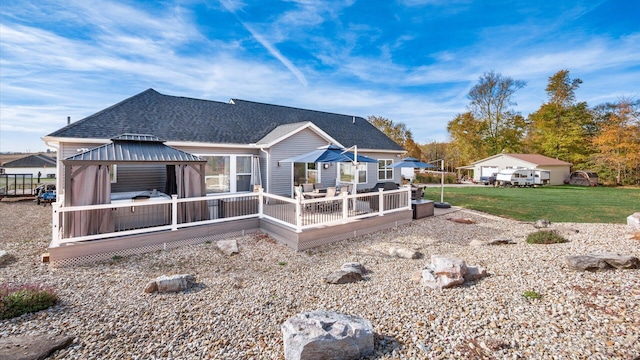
x=354 y=120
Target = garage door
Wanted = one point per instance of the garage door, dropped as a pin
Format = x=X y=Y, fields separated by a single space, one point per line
x=487 y=171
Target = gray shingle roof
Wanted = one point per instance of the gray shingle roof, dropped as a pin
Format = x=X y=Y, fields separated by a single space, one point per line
x=175 y=118
x=36 y=160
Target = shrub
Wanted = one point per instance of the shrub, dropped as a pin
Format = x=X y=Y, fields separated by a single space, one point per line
x=545 y=237
x=23 y=299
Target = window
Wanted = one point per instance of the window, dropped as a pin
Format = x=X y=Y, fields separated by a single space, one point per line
x=346 y=173
x=305 y=173
x=228 y=173
x=243 y=173
x=216 y=175
x=383 y=172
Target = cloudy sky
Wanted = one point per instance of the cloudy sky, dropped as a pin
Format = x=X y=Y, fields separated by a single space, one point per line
x=412 y=61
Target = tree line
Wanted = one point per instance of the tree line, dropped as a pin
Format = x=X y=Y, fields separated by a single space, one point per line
x=604 y=138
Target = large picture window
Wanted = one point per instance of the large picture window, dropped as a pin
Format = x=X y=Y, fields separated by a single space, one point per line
x=346 y=173
x=383 y=172
x=228 y=173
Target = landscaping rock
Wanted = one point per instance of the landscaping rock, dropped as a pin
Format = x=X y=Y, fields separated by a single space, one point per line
x=602 y=261
x=491 y=242
x=356 y=266
x=228 y=247
x=4 y=257
x=33 y=347
x=633 y=220
x=462 y=220
x=344 y=276
x=445 y=272
x=326 y=335
x=541 y=224
x=173 y=283
x=565 y=230
x=404 y=253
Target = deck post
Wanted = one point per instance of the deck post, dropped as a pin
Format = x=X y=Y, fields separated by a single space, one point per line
x=55 y=226
x=174 y=212
x=380 y=202
x=260 y=202
x=299 y=214
x=345 y=206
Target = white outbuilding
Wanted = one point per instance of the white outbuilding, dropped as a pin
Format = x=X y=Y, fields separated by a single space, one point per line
x=32 y=164
x=559 y=170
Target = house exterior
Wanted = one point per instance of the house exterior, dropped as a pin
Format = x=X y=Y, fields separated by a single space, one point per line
x=559 y=170
x=157 y=171
x=242 y=141
x=33 y=164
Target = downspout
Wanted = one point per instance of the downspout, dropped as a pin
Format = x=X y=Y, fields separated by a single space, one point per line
x=268 y=169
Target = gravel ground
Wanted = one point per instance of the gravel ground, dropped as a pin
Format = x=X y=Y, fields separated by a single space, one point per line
x=237 y=307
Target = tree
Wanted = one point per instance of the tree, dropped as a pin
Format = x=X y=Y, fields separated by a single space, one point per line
x=466 y=138
x=398 y=133
x=618 y=142
x=562 y=128
x=490 y=103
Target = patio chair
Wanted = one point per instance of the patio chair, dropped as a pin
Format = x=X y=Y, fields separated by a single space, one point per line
x=331 y=205
x=307 y=187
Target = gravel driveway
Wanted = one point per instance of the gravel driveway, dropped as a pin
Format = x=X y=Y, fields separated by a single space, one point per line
x=240 y=301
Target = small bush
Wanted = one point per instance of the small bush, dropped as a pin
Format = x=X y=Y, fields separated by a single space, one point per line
x=282 y=263
x=531 y=295
x=23 y=299
x=545 y=237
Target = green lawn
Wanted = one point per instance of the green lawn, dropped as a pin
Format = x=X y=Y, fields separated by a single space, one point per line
x=555 y=203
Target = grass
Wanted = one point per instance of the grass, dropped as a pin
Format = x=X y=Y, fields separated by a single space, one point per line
x=23 y=299
x=556 y=203
x=531 y=295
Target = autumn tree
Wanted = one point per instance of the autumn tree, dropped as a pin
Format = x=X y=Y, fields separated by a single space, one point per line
x=562 y=128
x=399 y=133
x=617 y=155
x=491 y=125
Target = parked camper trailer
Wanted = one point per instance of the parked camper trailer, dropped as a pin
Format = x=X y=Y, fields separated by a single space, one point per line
x=522 y=177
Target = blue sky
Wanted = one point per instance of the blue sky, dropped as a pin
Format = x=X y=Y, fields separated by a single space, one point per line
x=412 y=61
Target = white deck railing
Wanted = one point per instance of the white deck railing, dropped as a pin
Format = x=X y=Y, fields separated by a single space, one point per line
x=92 y=222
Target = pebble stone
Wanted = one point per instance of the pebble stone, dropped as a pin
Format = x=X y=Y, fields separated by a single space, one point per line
x=241 y=301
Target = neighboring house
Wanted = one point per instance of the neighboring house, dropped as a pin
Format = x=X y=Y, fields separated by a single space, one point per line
x=559 y=170
x=32 y=164
x=242 y=141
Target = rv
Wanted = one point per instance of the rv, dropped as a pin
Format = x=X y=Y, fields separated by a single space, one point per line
x=522 y=177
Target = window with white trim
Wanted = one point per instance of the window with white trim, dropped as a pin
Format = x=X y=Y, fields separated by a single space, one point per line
x=221 y=169
x=347 y=170
x=383 y=172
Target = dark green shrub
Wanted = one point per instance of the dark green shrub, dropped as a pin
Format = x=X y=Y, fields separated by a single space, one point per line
x=22 y=299
x=545 y=237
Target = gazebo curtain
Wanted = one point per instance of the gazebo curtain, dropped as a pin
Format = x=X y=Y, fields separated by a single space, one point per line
x=189 y=184
x=90 y=185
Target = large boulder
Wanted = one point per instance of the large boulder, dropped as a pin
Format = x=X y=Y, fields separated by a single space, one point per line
x=326 y=335
x=4 y=257
x=445 y=272
x=602 y=261
x=541 y=224
x=32 y=347
x=344 y=276
x=172 y=283
x=633 y=220
x=354 y=266
x=228 y=247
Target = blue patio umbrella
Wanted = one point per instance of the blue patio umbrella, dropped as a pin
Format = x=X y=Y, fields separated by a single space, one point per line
x=329 y=154
x=410 y=162
x=332 y=154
